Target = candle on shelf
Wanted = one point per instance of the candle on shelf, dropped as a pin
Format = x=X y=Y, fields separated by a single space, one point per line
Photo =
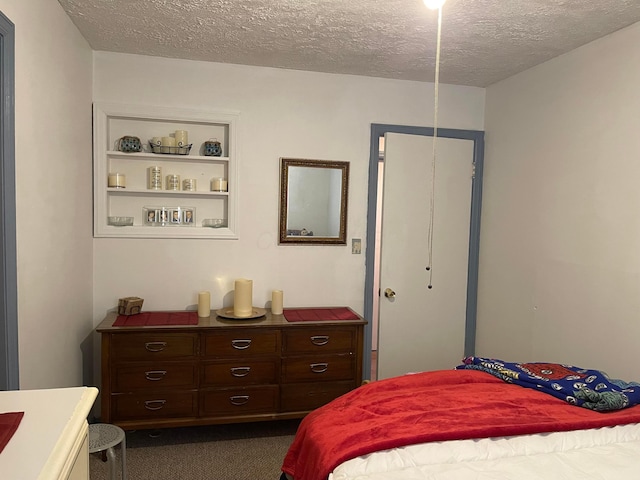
x=173 y=182
x=189 y=185
x=154 y=178
x=218 y=185
x=276 y=302
x=182 y=138
x=204 y=304
x=243 y=298
x=116 y=180
x=168 y=144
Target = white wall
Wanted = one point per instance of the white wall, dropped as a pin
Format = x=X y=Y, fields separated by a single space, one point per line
x=53 y=193
x=283 y=114
x=560 y=239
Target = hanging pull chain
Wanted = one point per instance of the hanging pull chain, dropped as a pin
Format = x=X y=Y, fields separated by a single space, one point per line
x=433 y=162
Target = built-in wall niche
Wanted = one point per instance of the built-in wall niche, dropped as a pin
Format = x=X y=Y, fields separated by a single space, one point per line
x=129 y=177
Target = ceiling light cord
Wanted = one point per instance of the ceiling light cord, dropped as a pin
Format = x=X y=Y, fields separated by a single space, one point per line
x=433 y=159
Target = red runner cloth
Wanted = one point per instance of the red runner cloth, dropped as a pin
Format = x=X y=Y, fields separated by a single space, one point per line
x=431 y=407
x=9 y=423
x=318 y=314
x=157 y=318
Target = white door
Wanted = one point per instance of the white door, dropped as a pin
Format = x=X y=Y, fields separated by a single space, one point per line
x=420 y=328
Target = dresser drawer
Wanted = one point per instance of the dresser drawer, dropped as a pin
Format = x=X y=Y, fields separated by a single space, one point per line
x=319 y=339
x=318 y=368
x=158 y=375
x=239 y=372
x=148 y=346
x=239 y=401
x=241 y=343
x=152 y=405
x=303 y=397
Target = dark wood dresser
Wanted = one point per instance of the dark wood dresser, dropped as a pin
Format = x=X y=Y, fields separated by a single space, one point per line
x=225 y=371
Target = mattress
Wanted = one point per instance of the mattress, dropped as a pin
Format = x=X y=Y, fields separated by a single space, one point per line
x=603 y=453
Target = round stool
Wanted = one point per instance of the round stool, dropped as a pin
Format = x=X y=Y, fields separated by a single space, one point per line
x=103 y=436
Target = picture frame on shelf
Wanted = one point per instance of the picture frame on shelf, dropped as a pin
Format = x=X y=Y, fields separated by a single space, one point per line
x=150 y=216
x=163 y=216
x=189 y=216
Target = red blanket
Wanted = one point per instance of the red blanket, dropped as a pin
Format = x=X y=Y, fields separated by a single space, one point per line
x=430 y=407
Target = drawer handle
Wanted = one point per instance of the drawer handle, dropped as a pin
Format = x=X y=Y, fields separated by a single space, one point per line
x=320 y=340
x=155 y=346
x=319 y=367
x=241 y=344
x=240 y=371
x=155 y=375
x=154 y=404
x=239 y=400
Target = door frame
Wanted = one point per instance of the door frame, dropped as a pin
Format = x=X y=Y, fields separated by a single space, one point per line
x=9 y=374
x=477 y=136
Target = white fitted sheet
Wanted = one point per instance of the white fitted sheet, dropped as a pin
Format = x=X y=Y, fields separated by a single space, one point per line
x=603 y=453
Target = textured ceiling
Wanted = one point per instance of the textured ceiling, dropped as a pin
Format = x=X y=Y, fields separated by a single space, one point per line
x=483 y=41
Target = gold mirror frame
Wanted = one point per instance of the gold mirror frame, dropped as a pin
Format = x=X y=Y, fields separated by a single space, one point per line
x=303 y=238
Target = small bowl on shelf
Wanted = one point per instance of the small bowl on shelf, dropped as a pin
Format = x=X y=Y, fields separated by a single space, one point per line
x=214 y=223
x=120 y=221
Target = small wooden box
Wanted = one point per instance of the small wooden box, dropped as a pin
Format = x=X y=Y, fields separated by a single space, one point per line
x=130 y=305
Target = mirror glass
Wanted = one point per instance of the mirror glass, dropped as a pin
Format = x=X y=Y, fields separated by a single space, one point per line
x=313 y=201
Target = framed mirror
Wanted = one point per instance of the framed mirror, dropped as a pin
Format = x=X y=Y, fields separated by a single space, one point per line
x=313 y=202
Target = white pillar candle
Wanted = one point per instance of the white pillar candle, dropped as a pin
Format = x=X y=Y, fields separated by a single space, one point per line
x=173 y=182
x=243 y=298
x=154 y=177
x=218 y=185
x=189 y=185
x=204 y=304
x=168 y=144
x=276 y=302
x=182 y=138
x=116 y=180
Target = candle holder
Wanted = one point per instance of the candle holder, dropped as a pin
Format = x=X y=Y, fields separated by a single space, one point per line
x=256 y=312
x=218 y=185
x=189 y=185
x=212 y=148
x=173 y=182
x=168 y=149
x=116 y=180
x=154 y=177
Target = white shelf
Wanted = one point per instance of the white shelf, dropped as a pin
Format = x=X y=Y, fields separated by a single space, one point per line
x=164 y=157
x=164 y=193
x=113 y=121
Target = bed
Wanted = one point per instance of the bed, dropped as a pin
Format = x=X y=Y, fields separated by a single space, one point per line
x=471 y=423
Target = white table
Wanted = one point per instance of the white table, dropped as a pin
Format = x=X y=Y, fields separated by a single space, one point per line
x=52 y=439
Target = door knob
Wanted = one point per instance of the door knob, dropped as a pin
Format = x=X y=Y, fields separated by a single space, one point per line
x=389 y=293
